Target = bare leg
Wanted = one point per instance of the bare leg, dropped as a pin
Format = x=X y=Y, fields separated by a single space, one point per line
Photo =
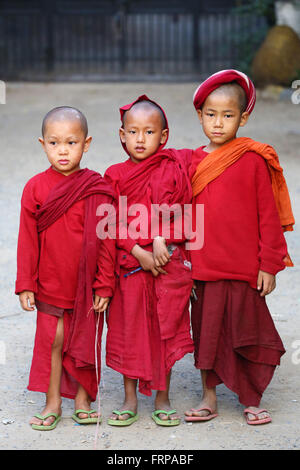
x=162 y=401
x=209 y=399
x=130 y=400
x=53 y=398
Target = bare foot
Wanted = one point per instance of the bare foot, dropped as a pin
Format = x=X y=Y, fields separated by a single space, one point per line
x=209 y=401
x=49 y=408
x=84 y=404
x=164 y=404
x=130 y=405
x=254 y=417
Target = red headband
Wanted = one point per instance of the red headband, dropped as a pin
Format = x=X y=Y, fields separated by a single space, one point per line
x=125 y=108
x=218 y=79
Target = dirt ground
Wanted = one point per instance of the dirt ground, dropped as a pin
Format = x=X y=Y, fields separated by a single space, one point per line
x=273 y=121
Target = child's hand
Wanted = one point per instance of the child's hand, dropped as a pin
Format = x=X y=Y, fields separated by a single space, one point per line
x=27 y=300
x=160 y=253
x=146 y=260
x=193 y=291
x=100 y=303
x=266 y=283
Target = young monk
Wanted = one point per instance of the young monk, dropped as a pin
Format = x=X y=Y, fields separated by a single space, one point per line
x=60 y=263
x=247 y=208
x=148 y=321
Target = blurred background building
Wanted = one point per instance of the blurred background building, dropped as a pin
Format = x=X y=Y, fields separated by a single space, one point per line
x=130 y=39
x=124 y=39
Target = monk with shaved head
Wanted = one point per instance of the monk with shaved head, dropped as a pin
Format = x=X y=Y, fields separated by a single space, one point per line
x=65 y=113
x=64 y=270
x=148 y=321
x=241 y=185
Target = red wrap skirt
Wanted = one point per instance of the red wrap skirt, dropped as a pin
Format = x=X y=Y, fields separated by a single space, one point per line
x=235 y=338
x=72 y=376
x=149 y=324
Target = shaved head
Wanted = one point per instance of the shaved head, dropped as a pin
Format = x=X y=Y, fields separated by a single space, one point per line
x=146 y=106
x=65 y=113
x=233 y=89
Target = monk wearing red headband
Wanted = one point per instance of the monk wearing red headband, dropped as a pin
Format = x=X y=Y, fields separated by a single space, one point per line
x=148 y=319
x=247 y=208
x=61 y=265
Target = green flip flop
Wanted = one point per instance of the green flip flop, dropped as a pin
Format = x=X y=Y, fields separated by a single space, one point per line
x=165 y=422
x=123 y=422
x=42 y=427
x=88 y=420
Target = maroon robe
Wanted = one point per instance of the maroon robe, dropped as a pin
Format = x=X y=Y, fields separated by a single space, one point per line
x=80 y=321
x=235 y=338
x=148 y=321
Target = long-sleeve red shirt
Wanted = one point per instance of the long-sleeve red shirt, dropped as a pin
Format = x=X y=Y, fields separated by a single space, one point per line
x=242 y=231
x=48 y=262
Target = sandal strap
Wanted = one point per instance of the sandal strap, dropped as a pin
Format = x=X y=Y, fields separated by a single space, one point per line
x=255 y=413
x=168 y=413
x=125 y=412
x=85 y=411
x=39 y=416
x=204 y=408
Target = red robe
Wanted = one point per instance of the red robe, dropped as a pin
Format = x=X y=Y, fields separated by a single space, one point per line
x=242 y=230
x=234 y=334
x=58 y=252
x=148 y=320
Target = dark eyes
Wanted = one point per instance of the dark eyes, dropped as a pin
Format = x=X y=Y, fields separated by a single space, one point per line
x=225 y=115
x=54 y=143
x=147 y=132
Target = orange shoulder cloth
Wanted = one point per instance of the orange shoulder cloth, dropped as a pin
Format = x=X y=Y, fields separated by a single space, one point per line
x=217 y=161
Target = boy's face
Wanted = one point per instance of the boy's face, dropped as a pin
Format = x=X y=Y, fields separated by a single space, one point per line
x=142 y=133
x=221 y=117
x=64 y=143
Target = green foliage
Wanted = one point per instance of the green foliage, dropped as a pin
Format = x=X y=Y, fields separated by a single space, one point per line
x=247 y=44
x=246 y=48
x=265 y=8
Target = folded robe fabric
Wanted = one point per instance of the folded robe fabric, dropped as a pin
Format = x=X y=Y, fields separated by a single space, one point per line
x=164 y=174
x=235 y=338
x=87 y=184
x=149 y=324
x=165 y=181
x=220 y=78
